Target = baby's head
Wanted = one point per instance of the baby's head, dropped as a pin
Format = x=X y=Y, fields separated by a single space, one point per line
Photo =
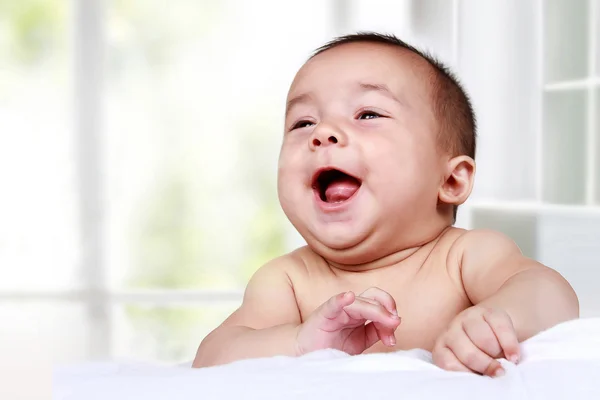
x=378 y=150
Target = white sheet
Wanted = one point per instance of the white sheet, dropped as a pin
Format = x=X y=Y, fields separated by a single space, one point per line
x=561 y=363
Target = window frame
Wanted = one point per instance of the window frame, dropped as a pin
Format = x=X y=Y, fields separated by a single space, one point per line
x=591 y=84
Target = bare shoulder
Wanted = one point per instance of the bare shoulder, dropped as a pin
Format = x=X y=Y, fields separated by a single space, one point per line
x=446 y=247
x=269 y=298
x=277 y=269
x=278 y=275
x=291 y=266
x=477 y=244
x=450 y=243
x=469 y=251
x=306 y=262
x=487 y=259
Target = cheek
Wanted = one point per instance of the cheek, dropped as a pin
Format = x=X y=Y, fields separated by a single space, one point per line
x=293 y=148
x=392 y=156
x=286 y=158
x=401 y=164
x=285 y=191
x=290 y=171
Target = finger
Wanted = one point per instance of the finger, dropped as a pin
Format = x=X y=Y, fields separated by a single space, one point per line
x=471 y=356
x=361 y=309
x=383 y=321
x=332 y=309
x=444 y=358
x=382 y=297
x=371 y=335
x=482 y=336
x=368 y=300
x=385 y=334
x=504 y=330
x=360 y=338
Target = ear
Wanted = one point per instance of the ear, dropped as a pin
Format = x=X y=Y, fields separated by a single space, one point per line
x=458 y=180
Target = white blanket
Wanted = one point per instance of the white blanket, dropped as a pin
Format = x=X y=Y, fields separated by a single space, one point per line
x=561 y=363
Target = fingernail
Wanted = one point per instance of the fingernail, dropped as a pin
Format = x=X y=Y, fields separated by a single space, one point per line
x=393 y=340
x=514 y=359
x=395 y=312
x=499 y=372
x=395 y=316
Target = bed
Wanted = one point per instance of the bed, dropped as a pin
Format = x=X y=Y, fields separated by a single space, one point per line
x=560 y=363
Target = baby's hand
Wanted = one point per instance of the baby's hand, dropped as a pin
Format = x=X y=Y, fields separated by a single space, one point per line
x=350 y=323
x=475 y=338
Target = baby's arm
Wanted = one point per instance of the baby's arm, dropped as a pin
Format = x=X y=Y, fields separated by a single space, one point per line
x=268 y=323
x=513 y=298
x=496 y=275
x=264 y=325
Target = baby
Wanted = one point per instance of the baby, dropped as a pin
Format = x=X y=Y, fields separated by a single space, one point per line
x=378 y=153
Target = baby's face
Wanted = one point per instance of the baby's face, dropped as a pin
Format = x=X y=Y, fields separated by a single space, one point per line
x=359 y=161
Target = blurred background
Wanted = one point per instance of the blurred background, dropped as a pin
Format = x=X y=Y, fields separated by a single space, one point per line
x=139 y=143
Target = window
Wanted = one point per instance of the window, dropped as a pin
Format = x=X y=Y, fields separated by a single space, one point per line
x=570 y=139
x=139 y=147
x=545 y=135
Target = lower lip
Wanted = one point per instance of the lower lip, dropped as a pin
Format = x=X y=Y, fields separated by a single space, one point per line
x=334 y=207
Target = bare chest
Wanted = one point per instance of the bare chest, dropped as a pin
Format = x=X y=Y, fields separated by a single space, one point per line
x=426 y=302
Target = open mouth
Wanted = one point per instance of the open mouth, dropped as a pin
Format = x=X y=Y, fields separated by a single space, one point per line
x=335 y=186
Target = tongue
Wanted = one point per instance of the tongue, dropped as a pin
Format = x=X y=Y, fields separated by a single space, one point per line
x=341 y=190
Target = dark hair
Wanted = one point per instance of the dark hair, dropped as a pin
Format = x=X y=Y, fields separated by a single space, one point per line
x=451 y=105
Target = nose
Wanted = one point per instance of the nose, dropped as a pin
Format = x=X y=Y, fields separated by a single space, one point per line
x=326 y=135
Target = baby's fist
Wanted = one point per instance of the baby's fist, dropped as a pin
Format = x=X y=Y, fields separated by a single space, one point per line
x=473 y=341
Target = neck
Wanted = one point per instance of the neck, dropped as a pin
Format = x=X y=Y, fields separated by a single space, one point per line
x=392 y=259
x=383 y=262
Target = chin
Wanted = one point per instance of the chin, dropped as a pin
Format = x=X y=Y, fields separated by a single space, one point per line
x=340 y=238
x=337 y=237
x=346 y=251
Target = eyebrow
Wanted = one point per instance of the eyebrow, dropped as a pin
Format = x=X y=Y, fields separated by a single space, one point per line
x=364 y=87
x=302 y=98
x=380 y=88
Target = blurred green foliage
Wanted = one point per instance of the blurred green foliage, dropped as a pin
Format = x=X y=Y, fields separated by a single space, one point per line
x=30 y=30
x=168 y=249
x=150 y=30
x=169 y=244
x=169 y=241
x=266 y=233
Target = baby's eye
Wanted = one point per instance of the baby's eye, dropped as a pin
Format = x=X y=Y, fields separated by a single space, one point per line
x=368 y=115
x=302 y=124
